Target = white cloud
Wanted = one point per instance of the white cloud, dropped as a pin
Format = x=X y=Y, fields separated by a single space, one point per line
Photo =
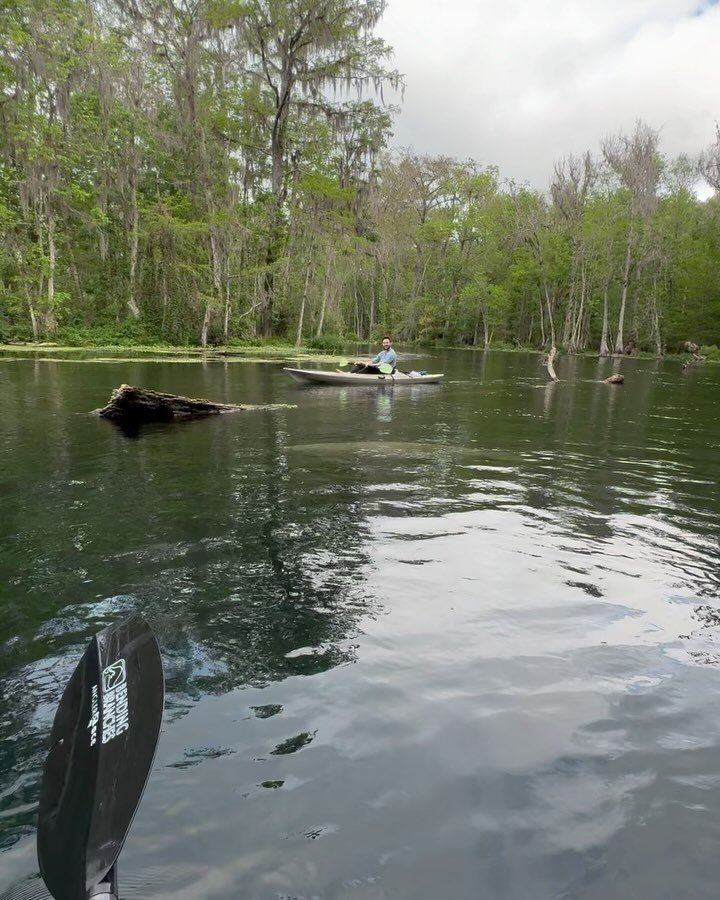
x=519 y=84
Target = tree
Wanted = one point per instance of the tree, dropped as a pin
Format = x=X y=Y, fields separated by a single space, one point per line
x=709 y=163
x=635 y=161
x=304 y=56
x=571 y=186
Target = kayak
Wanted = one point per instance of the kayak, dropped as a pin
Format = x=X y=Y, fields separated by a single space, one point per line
x=317 y=376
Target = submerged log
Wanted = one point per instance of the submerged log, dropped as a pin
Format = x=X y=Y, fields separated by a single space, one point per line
x=134 y=406
x=615 y=379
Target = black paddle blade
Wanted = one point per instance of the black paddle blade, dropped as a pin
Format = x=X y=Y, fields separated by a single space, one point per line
x=102 y=747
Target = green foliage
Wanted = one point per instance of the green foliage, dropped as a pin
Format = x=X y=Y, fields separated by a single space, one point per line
x=14 y=333
x=154 y=189
x=327 y=343
x=127 y=334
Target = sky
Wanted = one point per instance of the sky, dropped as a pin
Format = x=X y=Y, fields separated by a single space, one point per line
x=521 y=83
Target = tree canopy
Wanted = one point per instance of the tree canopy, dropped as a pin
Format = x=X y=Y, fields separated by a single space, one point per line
x=201 y=171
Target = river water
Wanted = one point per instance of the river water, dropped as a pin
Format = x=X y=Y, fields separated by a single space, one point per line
x=433 y=642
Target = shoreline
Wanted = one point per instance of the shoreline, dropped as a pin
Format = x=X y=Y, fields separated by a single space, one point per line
x=270 y=352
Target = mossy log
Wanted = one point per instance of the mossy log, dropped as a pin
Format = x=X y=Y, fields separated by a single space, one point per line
x=134 y=405
x=615 y=379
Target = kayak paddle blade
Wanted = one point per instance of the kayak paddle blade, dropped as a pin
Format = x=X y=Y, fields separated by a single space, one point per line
x=102 y=747
x=385 y=369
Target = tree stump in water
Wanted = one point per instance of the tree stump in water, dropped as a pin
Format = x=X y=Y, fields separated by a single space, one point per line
x=694 y=352
x=615 y=379
x=130 y=407
x=549 y=361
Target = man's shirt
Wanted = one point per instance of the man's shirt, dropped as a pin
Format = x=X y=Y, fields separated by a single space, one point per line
x=385 y=356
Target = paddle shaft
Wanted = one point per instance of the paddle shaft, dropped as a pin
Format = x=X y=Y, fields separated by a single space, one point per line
x=107 y=889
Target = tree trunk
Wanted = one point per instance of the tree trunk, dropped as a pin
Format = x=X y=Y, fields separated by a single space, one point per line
x=228 y=313
x=656 y=321
x=569 y=324
x=165 y=299
x=619 y=342
x=298 y=334
x=72 y=266
x=131 y=407
x=205 y=326
x=50 y=319
x=550 y=317
x=102 y=236
x=277 y=155
x=550 y=363
x=221 y=288
x=321 y=321
x=577 y=324
x=33 y=315
x=134 y=238
x=604 y=344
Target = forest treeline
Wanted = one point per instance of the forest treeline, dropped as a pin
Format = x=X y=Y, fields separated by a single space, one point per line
x=204 y=171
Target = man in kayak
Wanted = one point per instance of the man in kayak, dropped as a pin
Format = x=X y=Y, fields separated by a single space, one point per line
x=370 y=366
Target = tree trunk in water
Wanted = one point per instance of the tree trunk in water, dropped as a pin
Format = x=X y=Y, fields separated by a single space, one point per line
x=132 y=407
x=550 y=363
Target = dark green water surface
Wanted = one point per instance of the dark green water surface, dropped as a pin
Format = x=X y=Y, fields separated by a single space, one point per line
x=428 y=643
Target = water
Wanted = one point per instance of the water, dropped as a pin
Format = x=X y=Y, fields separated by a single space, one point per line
x=455 y=641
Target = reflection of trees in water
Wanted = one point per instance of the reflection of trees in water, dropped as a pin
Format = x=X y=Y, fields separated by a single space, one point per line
x=280 y=592
x=254 y=576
